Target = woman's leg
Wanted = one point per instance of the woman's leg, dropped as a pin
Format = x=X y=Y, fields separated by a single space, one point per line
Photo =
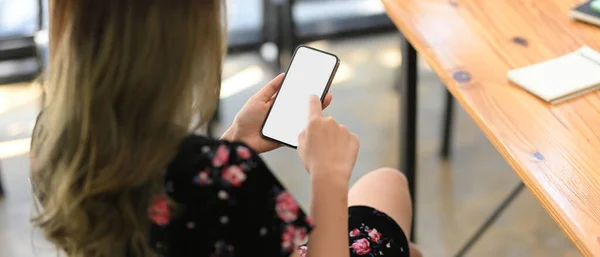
x=386 y=189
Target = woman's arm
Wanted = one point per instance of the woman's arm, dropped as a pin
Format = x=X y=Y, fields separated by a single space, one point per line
x=328 y=151
x=329 y=211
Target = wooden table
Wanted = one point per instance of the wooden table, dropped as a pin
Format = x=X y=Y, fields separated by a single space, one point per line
x=471 y=45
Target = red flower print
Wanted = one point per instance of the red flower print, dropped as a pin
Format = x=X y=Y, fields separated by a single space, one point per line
x=234 y=175
x=309 y=221
x=221 y=156
x=374 y=235
x=303 y=250
x=203 y=178
x=300 y=236
x=243 y=152
x=361 y=246
x=159 y=211
x=286 y=207
x=287 y=238
x=354 y=232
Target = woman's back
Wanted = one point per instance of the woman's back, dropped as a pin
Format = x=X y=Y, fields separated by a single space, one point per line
x=225 y=202
x=124 y=80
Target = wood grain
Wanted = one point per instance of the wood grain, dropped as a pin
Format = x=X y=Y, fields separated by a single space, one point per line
x=554 y=149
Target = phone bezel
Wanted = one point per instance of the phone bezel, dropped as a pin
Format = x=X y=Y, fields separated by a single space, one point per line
x=331 y=76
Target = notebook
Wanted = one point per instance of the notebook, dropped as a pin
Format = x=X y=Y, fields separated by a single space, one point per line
x=561 y=78
x=588 y=12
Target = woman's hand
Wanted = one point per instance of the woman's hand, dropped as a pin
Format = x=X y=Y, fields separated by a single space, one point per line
x=327 y=149
x=248 y=122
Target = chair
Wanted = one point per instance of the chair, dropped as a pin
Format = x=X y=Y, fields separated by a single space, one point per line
x=287 y=23
x=19 y=50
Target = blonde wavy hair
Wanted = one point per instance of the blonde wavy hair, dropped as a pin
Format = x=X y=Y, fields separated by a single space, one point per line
x=125 y=80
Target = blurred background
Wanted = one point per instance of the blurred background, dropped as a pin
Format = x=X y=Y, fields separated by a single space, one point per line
x=454 y=195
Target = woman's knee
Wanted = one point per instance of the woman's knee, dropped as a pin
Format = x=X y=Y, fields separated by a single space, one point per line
x=385 y=189
x=385 y=184
x=386 y=176
x=394 y=175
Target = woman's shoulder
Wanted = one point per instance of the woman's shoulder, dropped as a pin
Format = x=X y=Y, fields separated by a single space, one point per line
x=198 y=150
x=194 y=142
x=202 y=161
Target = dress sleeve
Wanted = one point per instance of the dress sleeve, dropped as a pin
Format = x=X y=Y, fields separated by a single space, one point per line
x=225 y=202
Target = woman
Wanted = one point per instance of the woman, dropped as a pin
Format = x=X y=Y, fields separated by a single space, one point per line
x=119 y=174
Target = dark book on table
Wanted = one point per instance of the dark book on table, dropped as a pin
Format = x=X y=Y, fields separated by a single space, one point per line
x=586 y=13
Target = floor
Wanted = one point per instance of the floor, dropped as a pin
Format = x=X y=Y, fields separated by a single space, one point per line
x=454 y=197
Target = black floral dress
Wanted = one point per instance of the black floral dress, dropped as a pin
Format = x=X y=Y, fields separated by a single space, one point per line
x=221 y=200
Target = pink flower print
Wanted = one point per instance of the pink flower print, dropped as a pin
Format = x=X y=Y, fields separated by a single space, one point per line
x=300 y=236
x=286 y=207
x=159 y=211
x=287 y=238
x=354 y=232
x=223 y=195
x=190 y=225
x=221 y=156
x=243 y=152
x=309 y=221
x=303 y=250
x=234 y=175
x=203 y=178
x=374 y=235
x=361 y=246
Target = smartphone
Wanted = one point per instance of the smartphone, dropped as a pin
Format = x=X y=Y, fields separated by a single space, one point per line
x=310 y=73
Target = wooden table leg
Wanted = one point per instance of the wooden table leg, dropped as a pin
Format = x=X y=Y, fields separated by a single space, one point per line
x=408 y=145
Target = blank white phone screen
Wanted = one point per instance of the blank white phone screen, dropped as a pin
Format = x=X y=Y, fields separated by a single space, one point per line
x=308 y=74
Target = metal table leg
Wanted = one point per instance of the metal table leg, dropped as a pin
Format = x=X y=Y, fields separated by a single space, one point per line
x=491 y=219
x=447 y=132
x=408 y=145
x=279 y=28
x=287 y=32
x=1 y=188
x=271 y=29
